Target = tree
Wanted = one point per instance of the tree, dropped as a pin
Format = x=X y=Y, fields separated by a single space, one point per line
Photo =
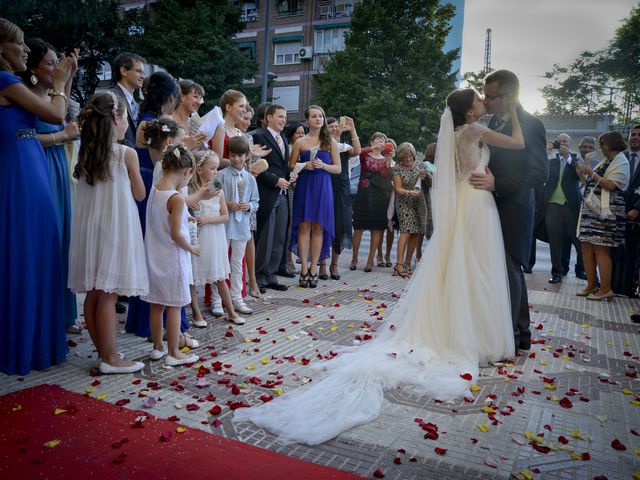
x=476 y=79
x=192 y=39
x=393 y=75
x=94 y=26
x=582 y=88
x=605 y=81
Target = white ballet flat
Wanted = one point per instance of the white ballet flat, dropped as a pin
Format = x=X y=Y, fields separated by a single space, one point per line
x=157 y=354
x=106 y=369
x=170 y=361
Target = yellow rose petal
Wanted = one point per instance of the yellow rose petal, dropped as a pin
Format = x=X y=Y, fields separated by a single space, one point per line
x=626 y=391
x=250 y=367
x=483 y=427
x=102 y=396
x=58 y=411
x=475 y=388
x=264 y=361
x=544 y=362
x=89 y=390
x=488 y=410
x=17 y=408
x=550 y=387
x=51 y=443
x=181 y=429
x=278 y=391
x=527 y=474
x=333 y=328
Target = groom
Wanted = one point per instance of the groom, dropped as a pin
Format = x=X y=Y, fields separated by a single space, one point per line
x=512 y=176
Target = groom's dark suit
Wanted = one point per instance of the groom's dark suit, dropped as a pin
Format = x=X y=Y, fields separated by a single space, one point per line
x=517 y=173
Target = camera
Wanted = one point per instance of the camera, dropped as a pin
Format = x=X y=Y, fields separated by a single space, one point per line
x=556 y=145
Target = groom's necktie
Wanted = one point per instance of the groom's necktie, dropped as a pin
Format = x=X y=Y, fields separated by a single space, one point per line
x=500 y=124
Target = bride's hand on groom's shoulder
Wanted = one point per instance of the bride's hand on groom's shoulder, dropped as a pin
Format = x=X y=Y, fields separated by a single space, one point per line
x=483 y=181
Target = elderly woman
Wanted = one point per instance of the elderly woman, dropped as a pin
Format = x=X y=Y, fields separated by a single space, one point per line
x=411 y=207
x=372 y=200
x=602 y=223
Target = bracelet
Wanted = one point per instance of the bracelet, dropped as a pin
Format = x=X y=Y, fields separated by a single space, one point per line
x=57 y=93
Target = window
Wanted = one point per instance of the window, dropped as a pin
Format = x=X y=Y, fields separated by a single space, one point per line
x=288 y=97
x=286 y=8
x=330 y=40
x=287 y=53
x=248 y=48
x=249 y=12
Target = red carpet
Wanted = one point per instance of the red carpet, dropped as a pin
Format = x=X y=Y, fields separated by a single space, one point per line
x=99 y=440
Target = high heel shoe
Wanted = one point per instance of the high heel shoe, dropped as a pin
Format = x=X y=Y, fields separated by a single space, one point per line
x=368 y=267
x=586 y=292
x=400 y=271
x=598 y=298
x=334 y=268
x=354 y=265
x=313 y=280
x=304 y=280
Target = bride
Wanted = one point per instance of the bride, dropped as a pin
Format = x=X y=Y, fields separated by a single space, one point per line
x=453 y=315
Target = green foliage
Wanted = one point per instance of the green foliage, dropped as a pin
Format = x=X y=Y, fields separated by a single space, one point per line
x=393 y=76
x=475 y=79
x=582 y=88
x=95 y=27
x=192 y=39
x=606 y=81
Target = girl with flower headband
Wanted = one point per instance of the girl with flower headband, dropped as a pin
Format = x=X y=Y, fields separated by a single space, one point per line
x=167 y=247
x=107 y=251
x=212 y=266
x=158 y=134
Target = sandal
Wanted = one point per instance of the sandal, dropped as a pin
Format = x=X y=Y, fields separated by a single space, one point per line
x=400 y=271
x=334 y=276
x=368 y=267
x=354 y=265
x=381 y=263
x=304 y=280
x=388 y=263
x=187 y=341
x=313 y=280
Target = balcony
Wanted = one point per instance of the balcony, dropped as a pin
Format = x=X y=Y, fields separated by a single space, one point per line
x=249 y=15
x=288 y=8
x=326 y=9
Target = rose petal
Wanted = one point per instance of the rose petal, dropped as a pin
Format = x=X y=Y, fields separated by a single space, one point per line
x=618 y=445
x=440 y=451
x=378 y=473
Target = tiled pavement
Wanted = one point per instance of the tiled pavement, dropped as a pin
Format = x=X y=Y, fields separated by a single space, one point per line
x=579 y=385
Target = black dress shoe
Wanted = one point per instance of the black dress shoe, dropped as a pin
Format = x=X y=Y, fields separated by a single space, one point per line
x=120 y=308
x=581 y=275
x=635 y=318
x=286 y=274
x=527 y=270
x=277 y=286
x=555 y=279
x=262 y=289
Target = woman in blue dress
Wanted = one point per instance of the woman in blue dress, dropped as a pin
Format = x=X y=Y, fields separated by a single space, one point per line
x=161 y=97
x=312 y=228
x=31 y=293
x=39 y=78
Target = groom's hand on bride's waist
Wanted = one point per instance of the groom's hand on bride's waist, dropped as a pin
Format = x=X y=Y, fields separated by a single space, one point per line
x=483 y=181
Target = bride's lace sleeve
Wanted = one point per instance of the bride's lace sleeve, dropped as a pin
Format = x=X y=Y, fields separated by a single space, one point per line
x=469 y=148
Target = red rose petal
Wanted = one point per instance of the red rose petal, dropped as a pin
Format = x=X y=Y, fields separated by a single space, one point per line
x=122 y=402
x=397 y=461
x=173 y=418
x=565 y=403
x=466 y=376
x=563 y=440
x=378 y=473
x=586 y=456
x=440 y=451
x=215 y=410
x=618 y=445
x=192 y=406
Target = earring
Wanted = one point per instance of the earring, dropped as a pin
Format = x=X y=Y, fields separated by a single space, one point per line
x=34 y=80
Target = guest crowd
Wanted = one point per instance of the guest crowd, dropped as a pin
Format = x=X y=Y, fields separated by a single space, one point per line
x=145 y=202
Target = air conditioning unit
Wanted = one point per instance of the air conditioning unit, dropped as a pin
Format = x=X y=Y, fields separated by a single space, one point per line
x=306 y=53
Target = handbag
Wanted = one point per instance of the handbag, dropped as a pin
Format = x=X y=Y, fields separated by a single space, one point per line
x=594 y=204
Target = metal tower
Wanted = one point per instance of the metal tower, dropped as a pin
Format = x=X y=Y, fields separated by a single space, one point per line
x=487 y=51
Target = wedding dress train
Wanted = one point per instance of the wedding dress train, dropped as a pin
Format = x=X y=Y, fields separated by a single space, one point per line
x=453 y=314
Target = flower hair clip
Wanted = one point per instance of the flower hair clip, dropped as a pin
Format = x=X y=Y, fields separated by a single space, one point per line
x=176 y=152
x=114 y=111
x=149 y=140
x=165 y=128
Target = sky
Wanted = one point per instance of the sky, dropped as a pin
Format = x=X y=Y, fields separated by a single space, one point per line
x=530 y=36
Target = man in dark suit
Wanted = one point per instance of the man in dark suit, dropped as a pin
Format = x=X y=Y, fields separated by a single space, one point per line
x=625 y=257
x=512 y=176
x=562 y=200
x=273 y=213
x=128 y=74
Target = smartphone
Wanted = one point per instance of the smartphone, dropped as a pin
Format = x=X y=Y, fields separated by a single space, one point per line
x=388 y=148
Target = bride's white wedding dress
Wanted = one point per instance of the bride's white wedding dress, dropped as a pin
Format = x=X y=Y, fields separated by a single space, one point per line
x=453 y=314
